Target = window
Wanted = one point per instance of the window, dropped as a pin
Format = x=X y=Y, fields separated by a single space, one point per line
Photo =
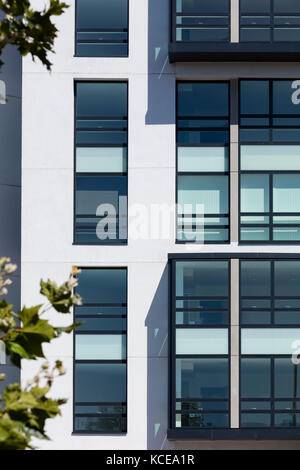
x=200 y=324
x=269 y=162
x=251 y=302
x=101 y=162
x=100 y=370
x=270 y=320
x=102 y=28
x=202 y=20
x=269 y=20
x=202 y=162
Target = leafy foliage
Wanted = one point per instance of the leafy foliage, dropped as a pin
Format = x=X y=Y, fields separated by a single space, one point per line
x=23 y=412
x=31 y=31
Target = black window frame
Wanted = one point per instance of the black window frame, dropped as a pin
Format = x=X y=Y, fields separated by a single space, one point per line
x=241 y=433
x=173 y=356
x=203 y=173
x=271 y=26
x=174 y=25
x=122 y=361
x=124 y=30
x=271 y=214
x=117 y=242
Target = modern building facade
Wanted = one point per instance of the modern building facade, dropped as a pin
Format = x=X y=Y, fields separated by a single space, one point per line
x=162 y=157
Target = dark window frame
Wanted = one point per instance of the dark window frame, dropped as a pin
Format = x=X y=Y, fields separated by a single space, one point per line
x=202 y=173
x=172 y=349
x=125 y=30
x=105 y=361
x=271 y=25
x=241 y=433
x=117 y=242
x=271 y=116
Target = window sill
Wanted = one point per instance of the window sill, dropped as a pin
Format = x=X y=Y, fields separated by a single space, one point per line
x=240 y=433
x=234 y=52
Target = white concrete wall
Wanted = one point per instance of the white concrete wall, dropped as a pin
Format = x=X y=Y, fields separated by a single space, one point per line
x=47 y=209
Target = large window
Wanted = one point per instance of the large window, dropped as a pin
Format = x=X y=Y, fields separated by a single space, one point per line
x=102 y=28
x=200 y=320
x=270 y=321
x=100 y=398
x=202 y=162
x=269 y=162
x=234 y=345
x=269 y=20
x=101 y=163
x=202 y=20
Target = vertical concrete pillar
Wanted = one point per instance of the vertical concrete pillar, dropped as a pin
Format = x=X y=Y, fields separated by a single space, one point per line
x=234 y=344
x=234 y=162
x=235 y=20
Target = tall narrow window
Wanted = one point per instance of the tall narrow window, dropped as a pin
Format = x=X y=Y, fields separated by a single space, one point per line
x=202 y=20
x=202 y=162
x=200 y=361
x=101 y=163
x=269 y=161
x=102 y=28
x=269 y=20
x=270 y=320
x=100 y=400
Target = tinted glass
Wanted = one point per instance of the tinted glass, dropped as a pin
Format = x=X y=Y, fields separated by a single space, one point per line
x=102 y=285
x=202 y=99
x=100 y=382
x=287 y=278
x=255 y=278
x=101 y=99
x=203 y=278
x=255 y=378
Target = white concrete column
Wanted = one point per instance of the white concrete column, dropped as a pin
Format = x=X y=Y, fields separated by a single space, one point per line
x=234 y=17
x=234 y=344
x=234 y=162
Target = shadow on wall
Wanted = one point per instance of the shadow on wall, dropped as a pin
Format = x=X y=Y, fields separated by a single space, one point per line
x=157 y=366
x=160 y=73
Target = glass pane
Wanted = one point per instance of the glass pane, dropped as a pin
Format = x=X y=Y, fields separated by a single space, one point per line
x=202 y=405
x=100 y=383
x=286 y=6
x=282 y=97
x=203 y=194
x=202 y=34
x=202 y=278
x=254 y=96
x=255 y=6
x=255 y=378
x=101 y=50
x=255 y=34
x=286 y=193
x=101 y=99
x=101 y=424
x=202 y=6
x=286 y=34
x=255 y=420
x=255 y=304
x=286 y=234
x=287 y=378
x=101 y=159
x=254 y=193
x=287 y=303
x=92 y=191
x=102 y=285
x=269 y=341
x=200 y=420
x=102 y=13
x=255 y=234
x=203 y=159
x=270 y=157
x=287 y=420
x=100 y=347
x=202 y=341
x=287 y=278
x=287 y=318
x=98 y=324
x=202 y=378
x=251 y=318
x=100 y=409
x=255 y=405
x=202 y=304
x=255 y=278
x=99 y=311
x=202 y=99
x=202 y=318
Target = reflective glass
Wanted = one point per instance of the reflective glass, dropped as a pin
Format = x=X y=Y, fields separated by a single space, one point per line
x=102 y=286
x=100 y=383
x=202 y=278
